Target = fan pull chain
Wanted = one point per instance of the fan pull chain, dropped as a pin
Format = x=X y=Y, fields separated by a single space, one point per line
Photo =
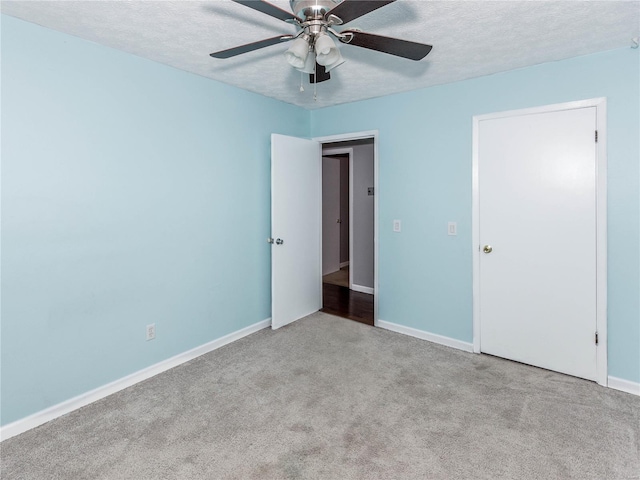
x=315 y=83
x=301 y=81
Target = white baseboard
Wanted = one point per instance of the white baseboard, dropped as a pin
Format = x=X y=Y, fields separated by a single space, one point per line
x=624 y=385
x=55 y=411
x=613 y=382
x=431 y=337
x=361 y=289
x=344 y=264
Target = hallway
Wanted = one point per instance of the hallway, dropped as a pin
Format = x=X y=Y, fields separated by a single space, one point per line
x=339 y=300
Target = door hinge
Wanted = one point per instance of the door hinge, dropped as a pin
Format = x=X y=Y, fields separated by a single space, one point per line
x=596 y=136
x=596 y=338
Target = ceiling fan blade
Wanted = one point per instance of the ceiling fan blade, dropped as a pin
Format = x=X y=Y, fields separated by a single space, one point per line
x=269 y=9
x=351 y=9
x=393 y=46
x=321 y=75
x=250 y=47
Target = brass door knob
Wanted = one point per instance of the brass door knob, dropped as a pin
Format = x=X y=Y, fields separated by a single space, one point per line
x=487 y=249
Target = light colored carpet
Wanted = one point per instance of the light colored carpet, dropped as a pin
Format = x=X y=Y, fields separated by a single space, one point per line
x=327 y=398
x=340 y=278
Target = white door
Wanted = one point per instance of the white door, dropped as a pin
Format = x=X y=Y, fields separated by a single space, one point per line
x=296 y=287
x=330 y=215
x=537 y=218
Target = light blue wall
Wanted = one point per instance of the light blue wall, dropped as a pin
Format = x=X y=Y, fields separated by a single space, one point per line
x=425 y=180
x=135 y=193
x=132 y=193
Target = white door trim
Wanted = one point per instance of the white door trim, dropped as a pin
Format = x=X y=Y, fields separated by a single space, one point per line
x=344 y=137
x=601 y=220
x=348 y=151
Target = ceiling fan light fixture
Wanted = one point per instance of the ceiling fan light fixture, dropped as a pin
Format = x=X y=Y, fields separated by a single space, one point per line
x=310 y=63
x=339 y=61
x=323 y=44
x=327 y=52
x=297 y=54
x=330 y=58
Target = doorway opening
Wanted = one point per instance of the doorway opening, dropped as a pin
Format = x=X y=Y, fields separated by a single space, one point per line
x=348 y=229
x=296 y=226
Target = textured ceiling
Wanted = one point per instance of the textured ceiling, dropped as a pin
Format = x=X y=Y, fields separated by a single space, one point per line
x=470 y=39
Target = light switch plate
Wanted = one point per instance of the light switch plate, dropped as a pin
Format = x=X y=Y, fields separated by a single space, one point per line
x=397 y=225
x=452 y=228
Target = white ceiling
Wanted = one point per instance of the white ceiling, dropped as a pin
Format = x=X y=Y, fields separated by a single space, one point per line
x=470 y=39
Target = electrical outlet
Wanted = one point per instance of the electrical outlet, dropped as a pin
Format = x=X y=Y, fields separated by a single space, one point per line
x=151 y=331
x=397 y=226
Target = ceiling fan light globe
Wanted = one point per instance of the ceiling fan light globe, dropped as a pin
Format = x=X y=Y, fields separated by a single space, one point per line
x=294 y=61
x=324 y=44
x=330 y=58
x=309 y=64
x=335 y=64
x=297 y=54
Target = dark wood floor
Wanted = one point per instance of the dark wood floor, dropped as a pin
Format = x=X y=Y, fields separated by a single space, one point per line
x=346 y=303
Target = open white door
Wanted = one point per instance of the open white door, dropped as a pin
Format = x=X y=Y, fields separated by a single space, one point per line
x=296 y=178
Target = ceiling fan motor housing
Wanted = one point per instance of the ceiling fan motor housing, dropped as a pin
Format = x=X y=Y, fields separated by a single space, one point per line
x=312 y=8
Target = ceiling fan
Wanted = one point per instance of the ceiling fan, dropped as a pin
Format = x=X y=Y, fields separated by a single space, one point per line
x=313 y=50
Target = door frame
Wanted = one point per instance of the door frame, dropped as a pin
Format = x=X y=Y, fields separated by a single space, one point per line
x=348 y=151
x=600 y=105
x=345 y=137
